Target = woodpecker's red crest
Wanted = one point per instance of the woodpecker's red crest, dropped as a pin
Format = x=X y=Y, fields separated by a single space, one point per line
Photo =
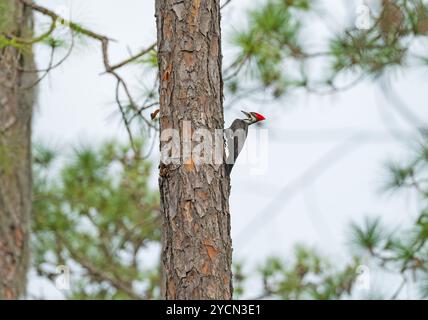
x=259 y=116
x=253 y=117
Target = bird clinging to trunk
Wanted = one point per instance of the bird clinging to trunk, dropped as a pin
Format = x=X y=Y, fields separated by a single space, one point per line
x=236 y=135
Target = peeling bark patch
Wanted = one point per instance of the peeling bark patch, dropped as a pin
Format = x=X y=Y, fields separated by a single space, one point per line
x=171 y=289
x=190 y=165
x=165 y=123
x=195 y=12
x=168 y=27
x=189 y=60
x=202 y=99
x=209 y=175
x=214 y=47
x=183 y=94
x=179 y=10
x=201 y=195
x=205 y=24
x=19 y=237
x=206 y=270
x=211 y=290
x=8 y=294
x=187 y=212
x=212 y=251
x=167 y=73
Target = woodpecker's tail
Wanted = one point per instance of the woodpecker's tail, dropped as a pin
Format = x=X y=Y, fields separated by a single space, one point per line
x=229 y=168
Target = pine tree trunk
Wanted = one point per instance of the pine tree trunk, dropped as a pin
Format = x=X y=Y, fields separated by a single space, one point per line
x=197 y=246
x=16 y=101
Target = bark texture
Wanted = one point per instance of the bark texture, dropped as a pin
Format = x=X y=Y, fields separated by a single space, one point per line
x=16 y=102
x=197 y=246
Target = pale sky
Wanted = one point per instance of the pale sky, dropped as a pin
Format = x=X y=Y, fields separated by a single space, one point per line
x=76 y=103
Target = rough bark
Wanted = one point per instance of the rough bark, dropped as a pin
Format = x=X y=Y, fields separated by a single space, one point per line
x=197 y=245
x=16 y=101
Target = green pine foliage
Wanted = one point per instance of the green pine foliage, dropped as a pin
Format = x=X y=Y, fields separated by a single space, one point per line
x=97 y=214
x=403 y=249
x=270 y=37
x=272 y=55
x=307 y=276
x=368 y=236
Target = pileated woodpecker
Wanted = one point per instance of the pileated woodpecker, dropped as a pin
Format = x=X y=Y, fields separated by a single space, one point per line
x=236 y=135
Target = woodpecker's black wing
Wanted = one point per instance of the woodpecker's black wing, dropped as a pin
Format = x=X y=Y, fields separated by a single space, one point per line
x=235 y=137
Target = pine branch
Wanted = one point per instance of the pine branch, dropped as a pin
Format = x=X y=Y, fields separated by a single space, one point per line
x=109 y=68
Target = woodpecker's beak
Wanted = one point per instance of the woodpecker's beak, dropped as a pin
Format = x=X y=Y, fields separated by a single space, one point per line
x=248 y=115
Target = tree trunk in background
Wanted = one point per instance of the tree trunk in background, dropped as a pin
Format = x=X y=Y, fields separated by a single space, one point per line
x=15 y=150
x=197 y=247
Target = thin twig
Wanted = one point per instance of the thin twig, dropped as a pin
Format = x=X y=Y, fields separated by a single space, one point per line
x=399 y=289
x=225 y=4
x=110 y=69
x=133 y=58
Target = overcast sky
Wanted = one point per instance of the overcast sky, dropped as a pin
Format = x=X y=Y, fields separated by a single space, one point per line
x=271 y=212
